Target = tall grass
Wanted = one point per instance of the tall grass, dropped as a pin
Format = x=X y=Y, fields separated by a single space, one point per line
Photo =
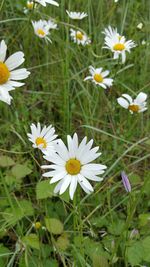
x=98 y=228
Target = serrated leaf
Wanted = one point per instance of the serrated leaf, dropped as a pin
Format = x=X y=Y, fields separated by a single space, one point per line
x=54 y=226
x=20 y=171
x=44 y=189
x=32 y=241
x=6 y=161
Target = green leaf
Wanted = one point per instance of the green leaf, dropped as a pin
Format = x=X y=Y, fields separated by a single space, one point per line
x=4 y=255
x=20 y=171
x=62 y=242
x=31 y=241
x=20 y=209
x=135 y=179
x=144 y=219
x=134 y=253
x=146 y=249
x=99 y=261
x=6 y=161
x=44 y=190
x=54 y=226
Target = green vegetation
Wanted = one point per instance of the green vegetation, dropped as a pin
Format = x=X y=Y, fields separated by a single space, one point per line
x=109 y=227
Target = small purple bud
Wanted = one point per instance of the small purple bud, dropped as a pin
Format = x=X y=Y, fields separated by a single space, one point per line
x=134 y=233
x=126 y=182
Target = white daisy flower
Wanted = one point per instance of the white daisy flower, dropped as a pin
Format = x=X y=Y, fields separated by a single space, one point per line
x=79 y=37
x=117 y=43
x=76 y=15
x=72 y=165
x=42 y=28
x=44 y=139
x=133 y=105
x=98 y=76
x=9 y=74
x=52 y=24
x=5 y=97
x=44 y=2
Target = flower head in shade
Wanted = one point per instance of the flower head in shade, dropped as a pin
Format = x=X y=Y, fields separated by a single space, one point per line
x=29 y=6
x=126 y=181
x=42 y=28
x=117 y=43
x=10 y=75
x=133 y=105
x=140 y=26
x=44 y=139
x=76 y=15
x=72 y=165
x=79 y=37
x=98 y=76
x=44 y=2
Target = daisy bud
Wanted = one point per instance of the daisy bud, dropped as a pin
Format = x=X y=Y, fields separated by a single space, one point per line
x=126 y=182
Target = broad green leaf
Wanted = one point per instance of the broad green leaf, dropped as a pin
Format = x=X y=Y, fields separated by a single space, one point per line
x=20 y=171
x=146 y=249
x=62 y=242
x=54 y=226
x=135 y=179
x=32 y=241
x=4 y=255
x=6 y=161
x=144 y=219
x=134 y=253
x=20 y=209
x=44 y=189
x=99 y=261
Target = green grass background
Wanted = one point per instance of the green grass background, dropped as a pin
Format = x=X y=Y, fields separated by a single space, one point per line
x=97 y=228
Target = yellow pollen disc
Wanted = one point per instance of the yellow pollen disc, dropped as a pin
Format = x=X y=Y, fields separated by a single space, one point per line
x=4 y=73
x=40 y=32
x=98 y=78
x=79 y=35
x=134 y=108
x=41 y=141
x=30 y=5
x=73 y=166
x=37 y=225
x=119 y=47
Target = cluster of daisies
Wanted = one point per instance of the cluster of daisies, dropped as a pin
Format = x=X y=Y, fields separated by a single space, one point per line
x=72 y=164
x=69 y=165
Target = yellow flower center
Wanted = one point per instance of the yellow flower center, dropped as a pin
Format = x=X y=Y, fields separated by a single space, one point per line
x=98 y=78
x=30 y=5
x=73 y=166
x=41 y=141
x=40 y=32
x=79 y=35
x=37 y=225
x=134 y=108
x=119 y=47
x=4 y=73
